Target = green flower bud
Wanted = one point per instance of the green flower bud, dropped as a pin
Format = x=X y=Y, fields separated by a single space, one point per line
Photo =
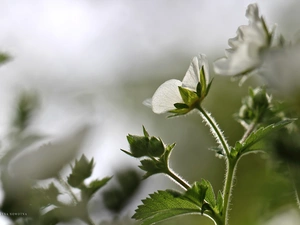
x=260 y=98
x=243 y=113
x=138 y=145
x=156 y=147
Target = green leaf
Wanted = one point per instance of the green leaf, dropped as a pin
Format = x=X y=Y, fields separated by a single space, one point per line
x=94 y=186
x=181 y=106
x=219 y=202
x=42 y=197
x=152 y=167
x=209 y=195
x=178 y=112
x=164 y=205
x=168 y=150
x=27 y=103
x=82 y=170
x=196 y=193
x=208 y=86
x=256 y=136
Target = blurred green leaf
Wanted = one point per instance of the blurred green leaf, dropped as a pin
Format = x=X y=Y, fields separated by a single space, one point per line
x=94 y=186
x=117 y=195
x=42 y=197
x=82 y=170
x=26 y=104
x=256 y=136
x=4 y=58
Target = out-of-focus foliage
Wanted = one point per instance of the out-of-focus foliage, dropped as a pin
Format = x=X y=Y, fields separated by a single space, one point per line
x=28 y=201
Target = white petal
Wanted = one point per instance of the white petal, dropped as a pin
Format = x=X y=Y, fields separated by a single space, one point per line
x=192 y=76
x=166 y=96
x=252 y=13
x=238 y=62
x=148 y=102
x=47 y=161
x=244 y=54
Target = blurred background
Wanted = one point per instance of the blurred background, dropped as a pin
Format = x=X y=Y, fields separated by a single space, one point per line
x=97 y=61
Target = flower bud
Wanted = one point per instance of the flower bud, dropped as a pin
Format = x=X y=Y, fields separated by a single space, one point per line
x=138 y=145
x=156 y=147
x=260 y=98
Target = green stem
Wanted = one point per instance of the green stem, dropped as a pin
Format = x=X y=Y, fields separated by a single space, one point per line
x=227 y=188
x=63 y=183
x=178 y=179
x=250 y=129
x=67 y=187
x=230 y=163
x=215 y=130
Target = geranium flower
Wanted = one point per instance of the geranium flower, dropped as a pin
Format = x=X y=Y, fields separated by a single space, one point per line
x=180 y=97
x=246 y=48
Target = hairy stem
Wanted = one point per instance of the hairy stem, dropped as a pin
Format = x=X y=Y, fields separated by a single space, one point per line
x=178 y=179
x=230 y=163
x=218 y=134
x=230 y=173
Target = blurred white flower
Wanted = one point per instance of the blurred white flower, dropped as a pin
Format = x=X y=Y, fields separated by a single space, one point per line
x=48 y=160
x=246 y=48
x=281 y=69
x=180 y=97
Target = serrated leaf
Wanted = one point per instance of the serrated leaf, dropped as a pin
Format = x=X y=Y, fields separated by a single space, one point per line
x=196 y=193
x=82 y=170
x=151 y=167
x=164 y=205
x=209 y=195
x=256 y=136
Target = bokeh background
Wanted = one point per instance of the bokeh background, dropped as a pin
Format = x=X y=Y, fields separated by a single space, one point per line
x=98 y=60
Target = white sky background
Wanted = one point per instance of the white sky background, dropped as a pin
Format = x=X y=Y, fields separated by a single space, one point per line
x=62 y=47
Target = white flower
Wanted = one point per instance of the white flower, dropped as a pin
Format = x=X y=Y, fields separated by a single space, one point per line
x=246 y=48
x=48 y=160
x=281 y=69
x=180 y=97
